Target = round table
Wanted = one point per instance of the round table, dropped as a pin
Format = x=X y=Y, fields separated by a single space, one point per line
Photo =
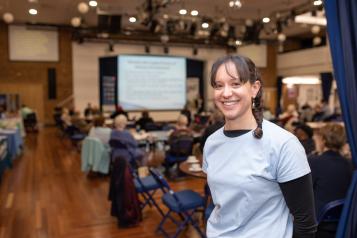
x=185 y=168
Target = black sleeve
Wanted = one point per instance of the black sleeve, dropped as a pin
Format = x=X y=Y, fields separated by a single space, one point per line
x=299 y=198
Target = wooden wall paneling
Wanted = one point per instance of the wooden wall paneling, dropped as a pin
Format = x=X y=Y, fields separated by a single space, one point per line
x=30 y=94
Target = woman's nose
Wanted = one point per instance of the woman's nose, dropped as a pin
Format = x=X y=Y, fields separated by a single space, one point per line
x=227 y=91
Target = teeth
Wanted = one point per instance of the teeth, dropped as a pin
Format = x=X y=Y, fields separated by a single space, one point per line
x=229 y=103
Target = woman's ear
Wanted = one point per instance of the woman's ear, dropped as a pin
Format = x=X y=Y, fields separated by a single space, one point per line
x=255 y=88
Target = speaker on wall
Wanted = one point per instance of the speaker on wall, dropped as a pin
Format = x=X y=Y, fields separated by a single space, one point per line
x=52 y=83
x=109 y=23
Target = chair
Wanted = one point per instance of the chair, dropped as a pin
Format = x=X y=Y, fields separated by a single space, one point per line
x=145 y=187
x=328 y=218
x=209 y=206
x=94 y=156
x=75 y=135
x=180 y=149
x=331 y=212
x=184 y=203
x=30 y=122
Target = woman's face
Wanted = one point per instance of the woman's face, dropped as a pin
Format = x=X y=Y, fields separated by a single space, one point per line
x=231 y=96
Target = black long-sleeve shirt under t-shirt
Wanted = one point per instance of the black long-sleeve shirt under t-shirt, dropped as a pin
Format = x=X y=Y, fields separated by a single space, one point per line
x=300 y=204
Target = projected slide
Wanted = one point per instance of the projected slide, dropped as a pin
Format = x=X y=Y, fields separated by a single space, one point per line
x=151 y=82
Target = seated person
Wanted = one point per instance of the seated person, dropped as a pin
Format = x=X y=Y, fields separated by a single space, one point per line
x=179 y=148
x=126 y=138
x=181 y=127
x=143 y=120
x=99 y=131
x=304 y=133
x=331 y=172
x=66 y=117
x=216 y=121
x=118 y=111
x=80 y=123
x=88 y=111
x=25 y=110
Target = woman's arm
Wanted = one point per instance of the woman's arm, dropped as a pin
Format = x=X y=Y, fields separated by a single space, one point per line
x=299 y=198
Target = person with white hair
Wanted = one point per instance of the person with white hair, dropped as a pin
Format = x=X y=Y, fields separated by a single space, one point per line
x=126 y=138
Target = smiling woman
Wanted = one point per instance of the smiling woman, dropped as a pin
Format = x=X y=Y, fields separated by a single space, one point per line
x=254 y=177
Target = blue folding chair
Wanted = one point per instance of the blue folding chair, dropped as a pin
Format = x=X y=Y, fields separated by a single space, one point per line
x=184 y=203
x=145 y=187
x=180 y=149
x=209 y=206
x=331 y=212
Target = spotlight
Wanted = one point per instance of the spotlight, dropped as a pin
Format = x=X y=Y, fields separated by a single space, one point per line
x=183 y=12
x=132 y=19
x=266 y=20
x=194 y=13
x=317 y=3
x=205 y=25
x=33 y=11
x=93 y=3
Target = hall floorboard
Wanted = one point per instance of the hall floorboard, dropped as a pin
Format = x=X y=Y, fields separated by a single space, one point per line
x=45 y=195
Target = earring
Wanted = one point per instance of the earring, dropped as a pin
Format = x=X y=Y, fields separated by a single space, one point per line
x=253 y=103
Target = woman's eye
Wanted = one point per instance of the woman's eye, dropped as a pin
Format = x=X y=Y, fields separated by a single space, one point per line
x=236 y=85
x=218 y=86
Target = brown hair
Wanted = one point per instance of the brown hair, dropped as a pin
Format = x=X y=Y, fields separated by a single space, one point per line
x=333 y=136
x=247 y=72
x=98 y=121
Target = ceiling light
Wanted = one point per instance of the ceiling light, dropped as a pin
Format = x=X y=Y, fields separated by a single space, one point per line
x=132 y=19
x=83 y=7
x=302 y=80
x=238 y=42
x=183 y=11
x=281 y=37
x=317 y=40
x=76 y=21
x=317 y=3
x=93 y=3
x=307 y=18
x=315 y=29
x=8 y=17
x=33 y=11
x=194 y=13
x=266 y=20
x=205 y=25
x=235 y=3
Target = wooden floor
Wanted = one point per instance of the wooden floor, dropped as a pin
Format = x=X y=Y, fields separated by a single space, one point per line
x=46 y=195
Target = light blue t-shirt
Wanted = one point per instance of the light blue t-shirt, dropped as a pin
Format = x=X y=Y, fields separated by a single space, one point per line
x=243 y=174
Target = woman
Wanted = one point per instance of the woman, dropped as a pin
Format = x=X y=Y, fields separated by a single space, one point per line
x=131 y=149
x=100 y=131
x=331 y=172
x=260 y=183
